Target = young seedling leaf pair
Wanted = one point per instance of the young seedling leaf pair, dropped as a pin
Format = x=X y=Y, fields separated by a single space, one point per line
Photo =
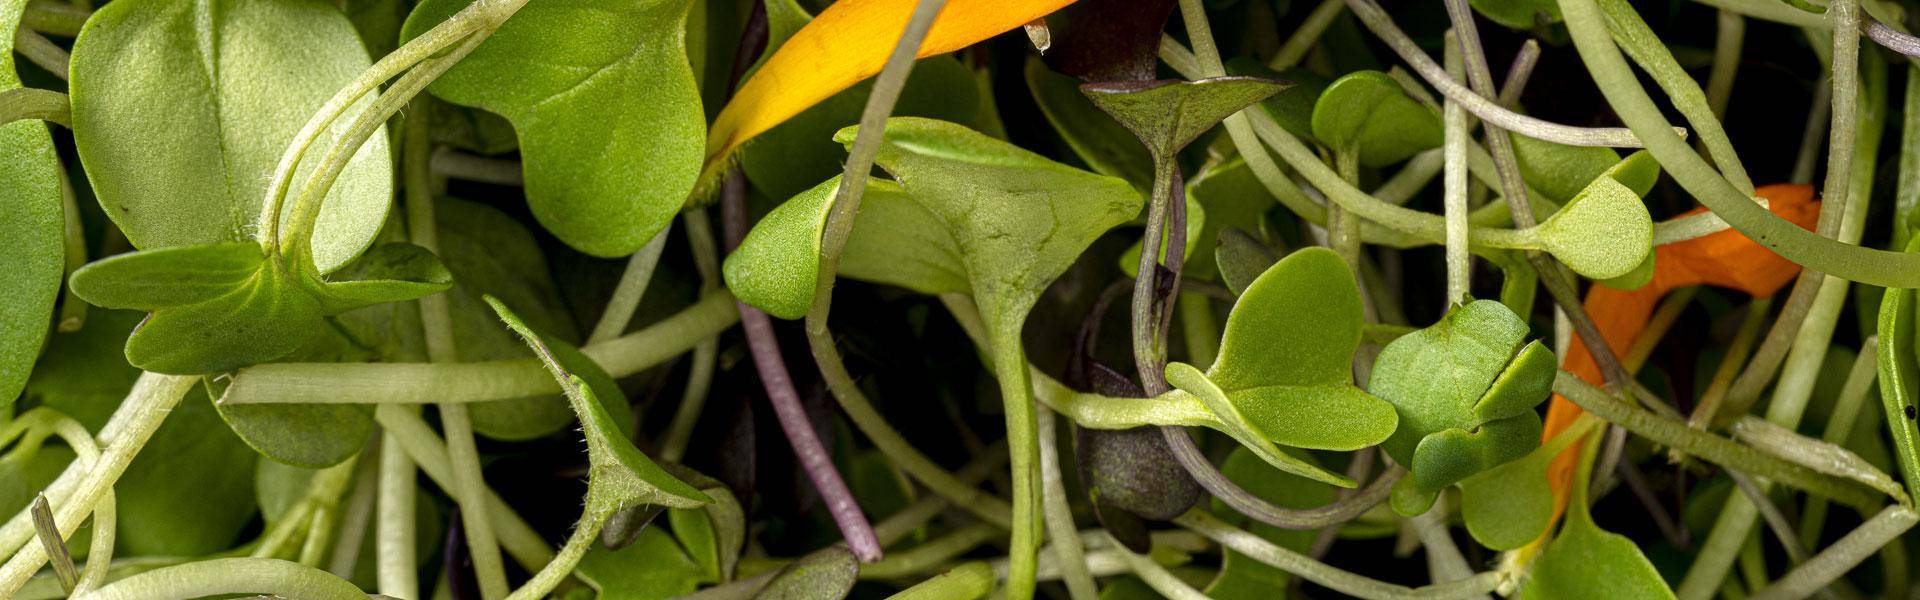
x=1465 y=389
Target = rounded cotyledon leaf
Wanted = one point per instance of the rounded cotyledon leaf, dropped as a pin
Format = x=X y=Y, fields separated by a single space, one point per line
x=31 y=255
x=182 y=110
x=1297 y=324
x=1559 y=171
x=1367 y=113
x=1510 y=505
x=605 y=106
x=894 y=241
x=1603 y=233
x=1229 y=420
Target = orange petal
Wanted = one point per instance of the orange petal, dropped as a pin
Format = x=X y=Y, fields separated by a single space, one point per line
x=846 y=43
x=1725 y=259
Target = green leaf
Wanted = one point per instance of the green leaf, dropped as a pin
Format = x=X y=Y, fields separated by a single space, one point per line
x=1367 y=113
x=1511 y=505
x=894 y=241
x=31 y=254
x=825 y=574
x=1464 y=389
x=1166 y=115
x=597 y=88
x=1103 y=144
x=387 y=273
x=1232 y=198
x=1284 y=371
x=713 y=535
x=168 y=277
x=652 y=567
x=265 y=318
x=181 y=111
x=1638 y=171
x=1017 y=219
x=1603 y=233
x=189 y=491
x=1585 y=561
x=620 y=475
x=1242 y=259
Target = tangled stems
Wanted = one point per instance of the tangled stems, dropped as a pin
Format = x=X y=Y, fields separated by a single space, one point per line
x=20 y=104
x=223 y=576
x=153 y=396
x=1260 y=549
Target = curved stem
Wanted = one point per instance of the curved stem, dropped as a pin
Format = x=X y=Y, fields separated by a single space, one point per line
x=427 y=450
x=427 y=383
x=584 y=535
x=934 y=552
x=965 y=582
x=21 y=104
x=1381 y=24
x=153 y=396
x=1058 y=516
x=1454 y=196
x=42 y=52
x=1645 y=48
x=1333 y=578
x=57 y=18
x=223 y=576
x=1246 y=503
x=632 y=287
x=1842 y=556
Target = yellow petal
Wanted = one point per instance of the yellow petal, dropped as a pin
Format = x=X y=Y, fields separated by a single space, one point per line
x=846 y=43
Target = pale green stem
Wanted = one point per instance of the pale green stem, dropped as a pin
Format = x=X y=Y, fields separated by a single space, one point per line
x=394 y=546
x=296 y=240
x=1843 y=555
x=476 y=17
x=73 y=310
x=424 y=383
x=1381 y=24
x=1308 y=34
x=1813 y=134
x=632 y=287
x=413 y=435
x=1706 y=411
x=1058 y=516
x=1158 y=577
x=224 y=576
x=1770 y=10
x=1443 y=557
x=100 y=548
x=20 y=104
x=1010 y=366
x=585 y=534
x=1454 y=195
x=42 y=52
x=965 y=582
x=57 y=18
x=1258 y=548
x=935 y=552
x=1726 y=62
x=1840 y=425
x=454 y=164
x=152 y=397
x=673 y=444
x=1907 y=195
x=1646 y=50
x=469 y=485
x=1720 y=450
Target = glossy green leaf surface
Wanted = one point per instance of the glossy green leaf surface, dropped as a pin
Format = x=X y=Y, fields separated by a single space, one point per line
x=598 y=88
x=31 y=254
x=1367 y=113
x=1167 y=115
x=181 y=110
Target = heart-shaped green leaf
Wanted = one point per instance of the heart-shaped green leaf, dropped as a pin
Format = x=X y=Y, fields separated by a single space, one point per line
x=1283 y=375
x=1585 y=561
x=226 y=317
x=620 y=475
x=1510 y=505
x=1017 y=219
x=598 y=88
x=1166 y=115
x=1366 y=113
x=1464 y=389
x=180 y=138
x=1104 y=145
x=1603 y=233
x=894 y=241
x=31 y=255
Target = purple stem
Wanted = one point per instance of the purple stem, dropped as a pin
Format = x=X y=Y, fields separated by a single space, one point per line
x=813 y=456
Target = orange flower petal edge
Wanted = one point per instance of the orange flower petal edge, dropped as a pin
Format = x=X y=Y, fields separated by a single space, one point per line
x=849 y=42
x=1724 y=259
